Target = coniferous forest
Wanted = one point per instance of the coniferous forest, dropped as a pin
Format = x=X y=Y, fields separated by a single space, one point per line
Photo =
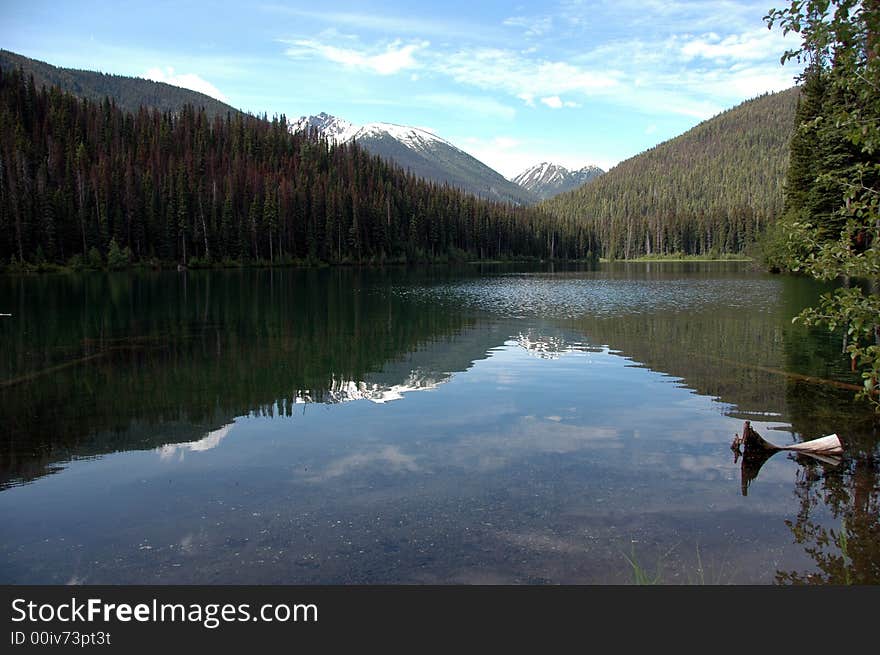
x=86 y=184
x=712 y=190
x=129 y=93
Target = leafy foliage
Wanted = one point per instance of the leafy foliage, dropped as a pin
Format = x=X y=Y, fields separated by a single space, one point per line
x=831 y=218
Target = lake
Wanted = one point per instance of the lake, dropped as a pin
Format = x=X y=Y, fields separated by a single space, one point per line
x=483 y=425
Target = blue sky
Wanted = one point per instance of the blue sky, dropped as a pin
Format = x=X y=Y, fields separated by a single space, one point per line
x=513 y=84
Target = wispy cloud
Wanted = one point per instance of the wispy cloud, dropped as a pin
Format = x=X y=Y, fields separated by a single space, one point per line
x=480 y=105
x=532 y=26
x=694 y=75
x=751 y=45
x=388 y=60
x=555 y=102
x=521 y=76
x=186 y=80
x=386 y=24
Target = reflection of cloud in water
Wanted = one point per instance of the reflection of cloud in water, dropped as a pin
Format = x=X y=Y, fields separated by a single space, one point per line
x=389 y=456
x=208 y=442
x=704 y=465
x=532 y=435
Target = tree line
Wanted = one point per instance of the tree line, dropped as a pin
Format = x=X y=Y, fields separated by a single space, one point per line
x=709 y=191
x=129 y=93
x=85 y=183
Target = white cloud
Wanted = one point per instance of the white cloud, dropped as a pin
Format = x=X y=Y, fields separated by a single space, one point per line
x=186 y=80
x=695 y=75
x=532 y=25
x=482 y=106
x=386 y=24
x=752 y=45
x=555 y=102
x=395 y=57
x=521 y=76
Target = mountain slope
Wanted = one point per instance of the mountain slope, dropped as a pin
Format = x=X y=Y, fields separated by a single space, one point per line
x=712 y=189
x=421 y=152
x=93 y=185
x=546 y=179
x=129 y=93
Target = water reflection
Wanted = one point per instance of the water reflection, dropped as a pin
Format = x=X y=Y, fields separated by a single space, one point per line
x=211 y=440
x=848 y=550
x=243 y=423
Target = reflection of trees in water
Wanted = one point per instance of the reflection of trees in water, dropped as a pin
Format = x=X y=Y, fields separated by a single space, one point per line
x=191 y=352
x=761 y=363
x=101 y=362
x=850 y=553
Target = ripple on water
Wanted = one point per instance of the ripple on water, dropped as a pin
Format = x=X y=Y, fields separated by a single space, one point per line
x=552 y=296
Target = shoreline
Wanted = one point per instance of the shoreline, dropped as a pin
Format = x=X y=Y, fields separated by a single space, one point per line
x=66 y=270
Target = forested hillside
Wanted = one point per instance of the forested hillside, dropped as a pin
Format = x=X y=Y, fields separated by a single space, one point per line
x=129 y=93
x=87 y=181
x=711 y=190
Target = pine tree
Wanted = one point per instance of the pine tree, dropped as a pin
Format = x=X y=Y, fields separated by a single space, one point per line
x=837 y=202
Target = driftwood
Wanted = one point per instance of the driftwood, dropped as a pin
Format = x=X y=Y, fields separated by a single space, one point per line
x=756 y=450
x=828 y=446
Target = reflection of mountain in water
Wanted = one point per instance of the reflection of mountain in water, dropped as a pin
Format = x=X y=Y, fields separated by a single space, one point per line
x=544 y=346
x=111 y=363
x=342 y=391
x=756 y=363
x=170 y=359
x=208 y=442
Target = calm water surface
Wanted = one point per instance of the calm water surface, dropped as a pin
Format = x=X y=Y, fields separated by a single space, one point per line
x=430 y=426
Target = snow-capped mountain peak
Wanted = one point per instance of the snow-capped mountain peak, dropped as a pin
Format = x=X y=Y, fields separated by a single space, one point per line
x=542 y=174
x=339 y=131
x=414 y=137
x=335 y=130
x=420 y=151
x=548 y=179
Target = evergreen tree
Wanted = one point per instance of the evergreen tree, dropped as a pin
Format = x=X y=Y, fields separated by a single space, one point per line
x=708 y=191
x=77 y=176
x=834 y=199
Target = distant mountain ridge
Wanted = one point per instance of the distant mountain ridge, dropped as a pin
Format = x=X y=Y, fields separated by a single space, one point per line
x=129 y=93
x=709 y=191
x=421 y=152
x=547 y=179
